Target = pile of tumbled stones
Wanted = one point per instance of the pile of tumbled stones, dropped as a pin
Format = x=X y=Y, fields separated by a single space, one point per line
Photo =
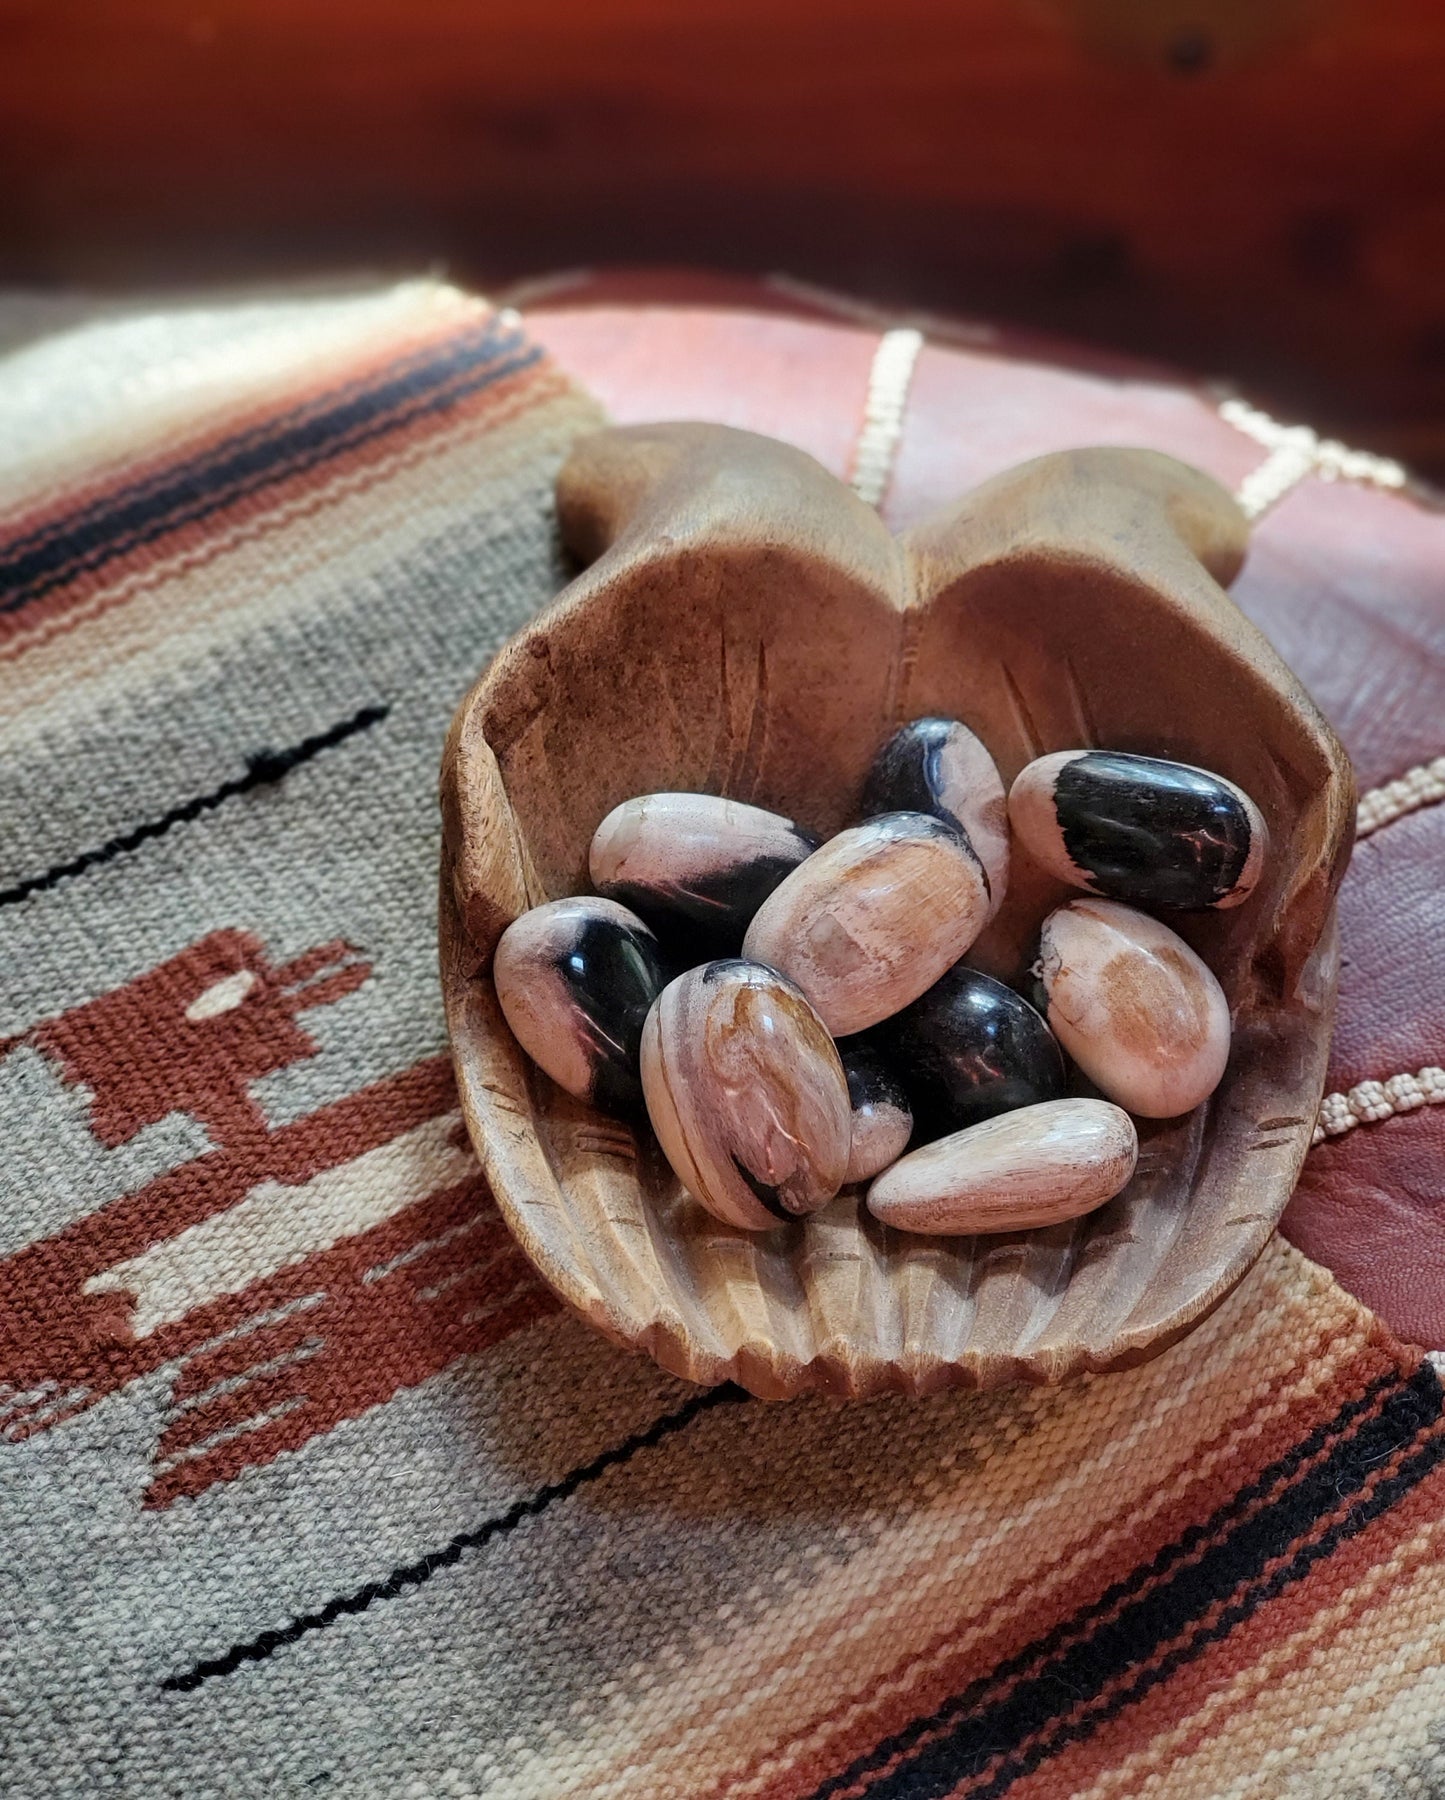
x=792 y=1016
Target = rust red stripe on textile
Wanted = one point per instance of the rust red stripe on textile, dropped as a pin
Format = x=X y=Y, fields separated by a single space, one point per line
x=1293 y=1563
x=1226 y=1481
x=244 y=425
x=981 y=1747
x=277 y=511
x=296 y=441
x=1276 y=1640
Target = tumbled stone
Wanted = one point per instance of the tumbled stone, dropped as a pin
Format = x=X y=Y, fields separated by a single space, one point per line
x=969 y=1048
x=938 y=766
x=1038 y=1166
x=1139 y=829
x=1138 y=1011
x=746 y=1094
x=695 y=857
x=575 y=979
x=871 y=920
x=882 y=1118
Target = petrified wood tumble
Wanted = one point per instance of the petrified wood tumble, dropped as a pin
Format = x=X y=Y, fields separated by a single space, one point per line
x=575 y=979
x=1137 y=1010
x=882 y=1118
x=871 y=920
x=969 y=1048
x=695 y=857
x=1140 y=829
x=746 y=1094
x=938 y=766
x=1035 y=1167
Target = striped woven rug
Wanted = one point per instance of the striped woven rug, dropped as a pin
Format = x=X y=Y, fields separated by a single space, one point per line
x=307 y=1487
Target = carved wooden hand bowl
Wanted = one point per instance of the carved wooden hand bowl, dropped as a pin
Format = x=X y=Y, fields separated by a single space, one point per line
x=748 y=627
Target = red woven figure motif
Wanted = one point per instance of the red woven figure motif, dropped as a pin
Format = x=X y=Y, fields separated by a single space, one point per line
x=300 y=1273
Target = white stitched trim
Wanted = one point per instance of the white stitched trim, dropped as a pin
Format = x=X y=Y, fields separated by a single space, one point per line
x=1417 y=787
x=1371 y=1101
x=1296 y=452
x=882 y=428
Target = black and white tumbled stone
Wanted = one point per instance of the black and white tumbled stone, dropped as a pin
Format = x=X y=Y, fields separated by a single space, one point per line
x=575 y=979
x=882 y=1117
x=968 y=1049
x=1139 y=829
x=938 y=766
x=696 y=858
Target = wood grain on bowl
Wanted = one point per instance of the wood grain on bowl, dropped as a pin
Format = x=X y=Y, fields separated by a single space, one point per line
x=746 y=626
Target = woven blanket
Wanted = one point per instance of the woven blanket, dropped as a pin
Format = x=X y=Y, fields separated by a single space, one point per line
x=307 y=1485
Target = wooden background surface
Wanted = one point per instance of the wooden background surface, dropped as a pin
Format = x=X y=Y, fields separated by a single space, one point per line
x=1246 y=187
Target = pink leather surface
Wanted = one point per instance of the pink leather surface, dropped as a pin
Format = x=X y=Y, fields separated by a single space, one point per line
x=795 y=379
x=1349 y=582
x=1369 y=1208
